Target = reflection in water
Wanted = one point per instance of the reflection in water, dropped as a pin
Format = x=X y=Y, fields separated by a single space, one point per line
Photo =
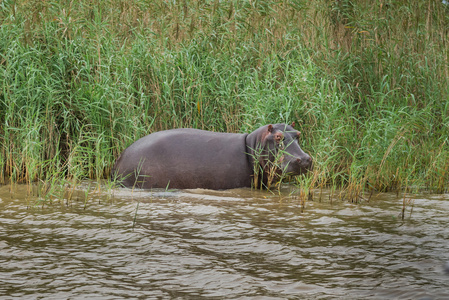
x=229 y=244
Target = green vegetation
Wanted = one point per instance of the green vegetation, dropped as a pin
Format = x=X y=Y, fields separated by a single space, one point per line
x=366 y=82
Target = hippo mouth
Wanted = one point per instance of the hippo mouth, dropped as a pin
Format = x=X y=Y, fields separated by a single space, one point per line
x=296 y=167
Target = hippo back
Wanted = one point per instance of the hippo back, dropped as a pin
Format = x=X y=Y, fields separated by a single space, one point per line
x=185 y=158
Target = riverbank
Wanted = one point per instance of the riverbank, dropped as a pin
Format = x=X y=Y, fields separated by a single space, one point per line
x=366 y=84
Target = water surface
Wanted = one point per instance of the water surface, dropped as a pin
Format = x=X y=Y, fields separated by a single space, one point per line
x=236 y=244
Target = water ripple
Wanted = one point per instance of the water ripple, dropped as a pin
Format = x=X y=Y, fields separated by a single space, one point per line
x=202 y=244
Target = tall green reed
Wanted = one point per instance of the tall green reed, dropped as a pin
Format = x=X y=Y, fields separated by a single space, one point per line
x=366 y=83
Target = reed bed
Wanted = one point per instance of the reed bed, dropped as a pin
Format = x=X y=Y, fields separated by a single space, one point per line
x=366 y=82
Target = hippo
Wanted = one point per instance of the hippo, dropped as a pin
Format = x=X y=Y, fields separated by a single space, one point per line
x=188 y=158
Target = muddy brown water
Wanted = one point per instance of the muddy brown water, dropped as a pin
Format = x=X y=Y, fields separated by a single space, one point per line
x=236 y=244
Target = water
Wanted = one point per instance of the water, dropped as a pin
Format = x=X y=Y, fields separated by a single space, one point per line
x=237 y=244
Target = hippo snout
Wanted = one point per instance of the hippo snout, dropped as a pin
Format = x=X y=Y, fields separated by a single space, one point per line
x=298 y=165
x=305 y=162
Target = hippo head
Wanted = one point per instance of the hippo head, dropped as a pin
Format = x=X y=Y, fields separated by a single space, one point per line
x=278 y=151
x=283 y=141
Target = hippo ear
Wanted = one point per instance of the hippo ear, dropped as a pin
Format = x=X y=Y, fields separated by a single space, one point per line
x=293 y=124
x=270 y=128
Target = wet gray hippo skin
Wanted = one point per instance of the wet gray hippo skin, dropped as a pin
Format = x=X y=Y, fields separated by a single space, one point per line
x=192 y=158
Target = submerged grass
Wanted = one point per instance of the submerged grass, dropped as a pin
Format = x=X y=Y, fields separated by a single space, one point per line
x=366 y=81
